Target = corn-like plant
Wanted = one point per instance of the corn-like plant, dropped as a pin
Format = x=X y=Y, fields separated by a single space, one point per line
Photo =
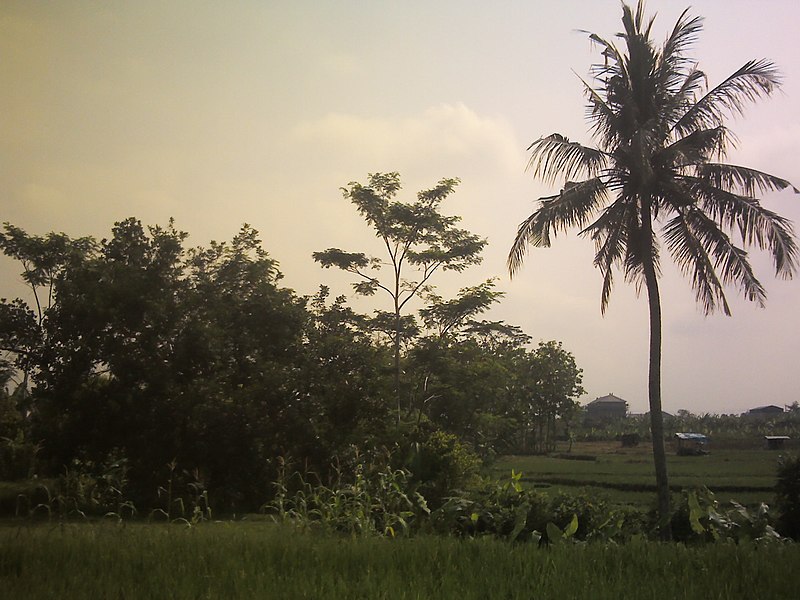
x=84 y=489
x=174 y=507
x=370 y=501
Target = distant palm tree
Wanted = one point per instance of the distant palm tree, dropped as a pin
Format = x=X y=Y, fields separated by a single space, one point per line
x=657 y=169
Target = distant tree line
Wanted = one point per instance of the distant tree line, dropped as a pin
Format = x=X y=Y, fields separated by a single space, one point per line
x=744 y=429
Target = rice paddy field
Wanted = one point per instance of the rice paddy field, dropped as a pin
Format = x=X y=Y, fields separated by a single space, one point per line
x=626 y=475
x=256 y=558
x=262 y=560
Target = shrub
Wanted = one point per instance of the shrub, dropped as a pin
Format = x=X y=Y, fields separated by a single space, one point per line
x=440 y=464
x=592 y=512
x=505 y=510
x=699 y=517
x=787 y=493
x=17 y=457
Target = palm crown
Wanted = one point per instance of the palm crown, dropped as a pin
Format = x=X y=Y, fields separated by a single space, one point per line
x=660 y=145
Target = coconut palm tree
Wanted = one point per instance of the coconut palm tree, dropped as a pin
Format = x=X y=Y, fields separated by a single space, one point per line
x=656 y=178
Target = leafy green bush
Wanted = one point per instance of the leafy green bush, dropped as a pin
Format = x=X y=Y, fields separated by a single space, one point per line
x=440 y=464
x=17 y=457
x=506 y=510
x=699 y=517
x=592 y=512
x=787 y=493
x=597 y=519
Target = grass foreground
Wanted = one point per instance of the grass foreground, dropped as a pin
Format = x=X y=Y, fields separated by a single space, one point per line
x=263 y=560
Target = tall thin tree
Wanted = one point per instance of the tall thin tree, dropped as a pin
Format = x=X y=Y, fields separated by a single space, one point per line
x=416 y=237
x=657 y=177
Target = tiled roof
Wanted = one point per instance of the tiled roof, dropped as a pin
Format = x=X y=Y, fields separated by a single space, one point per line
x=610 y=399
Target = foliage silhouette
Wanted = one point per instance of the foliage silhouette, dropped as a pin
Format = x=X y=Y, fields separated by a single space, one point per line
x=416 y=236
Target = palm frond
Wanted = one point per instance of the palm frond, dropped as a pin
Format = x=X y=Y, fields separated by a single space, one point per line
x=608 y=286
x=528 y=234
x=675 y=194
x=775 y=234
x=613 y=69
x=601 y=116
x=691 y=257
x=755 y=79
x=609 y=50
x=611 y=247
x=696 y=147
x=757 y=226
x=684 y=34
x=694 y=81
x=681 y=91
x=555 y=157
x=610 y=235
x=573 y=207
x=749 y=182
x=634 y=24
x=703 y=236
x=672 y=61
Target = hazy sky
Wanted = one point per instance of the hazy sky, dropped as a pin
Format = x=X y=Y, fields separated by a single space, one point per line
x=221 y=113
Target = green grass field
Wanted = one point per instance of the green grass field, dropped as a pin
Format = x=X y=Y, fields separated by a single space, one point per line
x=626 y=476
x=256 y=558
x=261 y=560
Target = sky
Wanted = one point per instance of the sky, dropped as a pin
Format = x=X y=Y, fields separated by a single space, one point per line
x=219 y=114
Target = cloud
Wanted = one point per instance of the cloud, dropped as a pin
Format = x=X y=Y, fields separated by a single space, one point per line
x=443 y=137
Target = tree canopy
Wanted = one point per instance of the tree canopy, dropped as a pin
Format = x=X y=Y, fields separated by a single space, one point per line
x=417 y=238
x=194 y=363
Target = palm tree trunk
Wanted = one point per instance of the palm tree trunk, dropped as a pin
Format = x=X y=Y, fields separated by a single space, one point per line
x=654 y=381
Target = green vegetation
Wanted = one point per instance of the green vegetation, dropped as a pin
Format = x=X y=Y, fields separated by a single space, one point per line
x=262 y=560
x=788 y=495
x=169 y=367
x=417 y=238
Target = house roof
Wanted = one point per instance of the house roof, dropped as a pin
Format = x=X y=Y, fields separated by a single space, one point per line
x=768 y=408
x=696 y=437
x=609 y=399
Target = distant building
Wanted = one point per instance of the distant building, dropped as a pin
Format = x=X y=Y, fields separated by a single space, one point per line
x=606 y=408
x=764 y=412
x=692 y=444
x=775 y=442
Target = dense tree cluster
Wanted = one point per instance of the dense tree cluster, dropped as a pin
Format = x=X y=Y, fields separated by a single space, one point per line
x=142 y=349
